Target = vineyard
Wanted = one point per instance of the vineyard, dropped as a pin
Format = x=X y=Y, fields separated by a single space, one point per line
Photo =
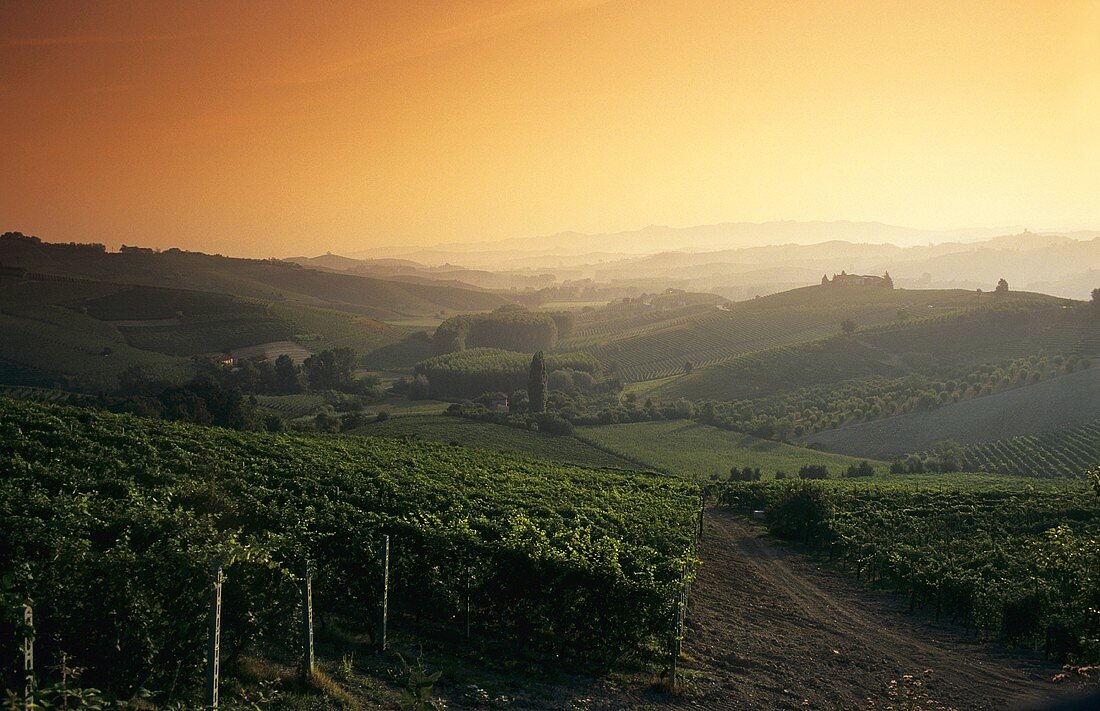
x=940 y=344
x=479 y=370
x=1065 y=401
x=55 y=343
x=600 y=325
x=712 y=336
x=1010 y=559
x=1063 y=452
x=494 y=438
x=810 y=410
x=112 y=524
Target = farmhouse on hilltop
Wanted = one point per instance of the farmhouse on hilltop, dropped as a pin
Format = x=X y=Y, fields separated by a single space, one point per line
x=845 y=279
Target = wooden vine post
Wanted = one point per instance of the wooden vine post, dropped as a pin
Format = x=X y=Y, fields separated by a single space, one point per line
x=307 y=621
x=383 y=607
x=702 y=513
x=28 y=657
x=213 y=649
x=678 y=610
x=468 y=602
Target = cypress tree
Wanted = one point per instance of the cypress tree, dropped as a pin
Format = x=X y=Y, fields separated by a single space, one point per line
x=536 y=383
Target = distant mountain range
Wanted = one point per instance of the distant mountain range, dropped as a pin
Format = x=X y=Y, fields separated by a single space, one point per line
x=796 y=254
x=527 y=251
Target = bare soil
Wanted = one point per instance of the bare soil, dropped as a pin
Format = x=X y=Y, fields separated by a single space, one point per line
x=771 y=628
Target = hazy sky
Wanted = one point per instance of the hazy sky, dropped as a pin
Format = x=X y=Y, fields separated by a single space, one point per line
x=279 y=128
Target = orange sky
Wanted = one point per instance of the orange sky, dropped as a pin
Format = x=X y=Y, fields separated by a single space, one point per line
x=284 y=128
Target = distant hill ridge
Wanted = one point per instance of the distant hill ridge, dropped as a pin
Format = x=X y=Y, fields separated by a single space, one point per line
x=254 y=278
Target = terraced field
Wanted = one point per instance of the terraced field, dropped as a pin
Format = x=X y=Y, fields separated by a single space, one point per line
x=1064 y=452
x=691 y=449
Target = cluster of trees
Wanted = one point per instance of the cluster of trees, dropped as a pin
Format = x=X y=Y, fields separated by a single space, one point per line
x=31 y=239
x=507 y=328
x=203 y=400
x=327 y=370
x=948 y=457
x=809 y=471
x=225 y=396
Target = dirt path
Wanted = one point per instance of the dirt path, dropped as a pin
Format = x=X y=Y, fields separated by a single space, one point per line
x=768 y=628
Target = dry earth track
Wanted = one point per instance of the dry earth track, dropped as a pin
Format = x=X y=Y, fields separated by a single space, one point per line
x=771 y=628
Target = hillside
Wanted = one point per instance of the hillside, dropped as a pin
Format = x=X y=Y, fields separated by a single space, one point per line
x=695 y=450
x=1059 y=402
x=270 y=280
x=992 y=332
x=1067 y=451
x=638 y=345
x=84 y=333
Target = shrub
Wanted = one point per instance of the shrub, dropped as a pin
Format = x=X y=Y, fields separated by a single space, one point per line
x=800 y=511
x=813 y=471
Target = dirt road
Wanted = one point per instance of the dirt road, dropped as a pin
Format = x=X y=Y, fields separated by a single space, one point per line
x=771 y=629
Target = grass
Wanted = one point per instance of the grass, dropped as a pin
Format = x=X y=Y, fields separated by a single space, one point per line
x=694 y=450
x=496 y=438
x=1067 y=400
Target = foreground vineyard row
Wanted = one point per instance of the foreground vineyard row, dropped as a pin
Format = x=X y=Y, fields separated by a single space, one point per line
x=113 y=523
x=1009 y=559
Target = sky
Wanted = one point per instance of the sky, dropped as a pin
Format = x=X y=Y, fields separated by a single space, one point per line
x=280 y=128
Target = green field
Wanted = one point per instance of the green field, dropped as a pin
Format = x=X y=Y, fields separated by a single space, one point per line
x=1063 y=401
x=494 y=438
x=111 y=521
x=694 y=450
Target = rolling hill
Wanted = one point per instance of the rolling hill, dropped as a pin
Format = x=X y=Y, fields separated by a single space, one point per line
x=643 y=345
x=269 y=280
x=994 y=331
x=1064 y=401
x=82 y=334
